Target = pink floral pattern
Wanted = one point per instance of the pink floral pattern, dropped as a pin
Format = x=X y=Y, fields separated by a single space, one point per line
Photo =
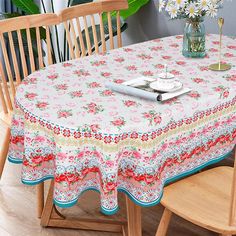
x=119 y=122
x=153 y=117
x=68 y=126
x=223 y=91
x=93 y=108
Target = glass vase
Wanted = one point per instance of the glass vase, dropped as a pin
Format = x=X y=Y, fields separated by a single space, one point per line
x=194 y=39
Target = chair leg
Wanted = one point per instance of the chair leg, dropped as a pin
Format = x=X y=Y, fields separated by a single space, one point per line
x=164 y=223
x=134 y=218
x=3 y=154
x=124 y=231
x=40 y=198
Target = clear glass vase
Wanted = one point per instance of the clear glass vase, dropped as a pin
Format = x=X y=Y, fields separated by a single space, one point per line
x=194 y=39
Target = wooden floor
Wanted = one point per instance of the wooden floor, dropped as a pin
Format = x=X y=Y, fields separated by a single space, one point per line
x=18 y=213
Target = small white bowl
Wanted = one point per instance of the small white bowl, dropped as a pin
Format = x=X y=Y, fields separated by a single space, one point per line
x=166 y=86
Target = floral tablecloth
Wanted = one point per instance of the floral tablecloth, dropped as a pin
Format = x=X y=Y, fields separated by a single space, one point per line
x=69 y=127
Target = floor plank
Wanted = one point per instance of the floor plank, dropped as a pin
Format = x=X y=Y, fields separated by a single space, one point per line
x=18 y=212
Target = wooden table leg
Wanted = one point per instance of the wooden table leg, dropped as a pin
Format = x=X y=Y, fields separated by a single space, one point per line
x=48 y=208
x=134 y=218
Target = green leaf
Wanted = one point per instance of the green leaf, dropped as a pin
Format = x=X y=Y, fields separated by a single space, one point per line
x=27 y=6
x=77 y=2
x=134 y=6
x=42 y=32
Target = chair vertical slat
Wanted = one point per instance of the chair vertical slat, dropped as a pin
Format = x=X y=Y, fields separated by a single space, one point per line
x=39 y=48
x=89 y=49
x=104 y=48
x=110 y=30
x=81 y=41
x=119 y=39
x=30 y=48
x=8 y=100
x=8 y=67
x=14 y=60
x=232 y=216
x=69 y=40
x=94 y=34
x=49 y=49
x=77 y=51
x=22 y=54
x=3 y=102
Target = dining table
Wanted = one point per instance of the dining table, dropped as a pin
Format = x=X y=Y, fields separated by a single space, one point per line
x=69 y=127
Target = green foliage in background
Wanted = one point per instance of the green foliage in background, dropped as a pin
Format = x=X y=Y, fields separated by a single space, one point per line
x=29 y=7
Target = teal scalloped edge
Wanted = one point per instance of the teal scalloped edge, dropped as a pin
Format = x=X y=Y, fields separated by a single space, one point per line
x=14 y=160
x=106 y=211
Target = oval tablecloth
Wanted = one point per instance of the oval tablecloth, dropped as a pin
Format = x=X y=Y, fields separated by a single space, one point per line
x=69 y=127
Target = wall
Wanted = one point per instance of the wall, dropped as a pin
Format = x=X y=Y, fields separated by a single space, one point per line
x=148 y=23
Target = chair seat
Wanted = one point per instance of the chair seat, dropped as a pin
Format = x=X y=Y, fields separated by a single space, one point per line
x=203 y=199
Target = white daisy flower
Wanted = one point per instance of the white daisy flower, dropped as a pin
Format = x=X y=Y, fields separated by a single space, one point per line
x=161 y=5
x=173 y=11
x=216 y=3
x=168 y=5
x=212 y=10
x=180 y=3
x=192 y=10
x=204 y=4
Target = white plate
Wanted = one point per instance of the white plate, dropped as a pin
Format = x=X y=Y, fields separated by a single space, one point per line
x=166 y=86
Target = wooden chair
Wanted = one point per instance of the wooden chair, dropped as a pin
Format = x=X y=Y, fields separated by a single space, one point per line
x=207 y=199
x=79 y=43
x=18 y=32
x=81 y=47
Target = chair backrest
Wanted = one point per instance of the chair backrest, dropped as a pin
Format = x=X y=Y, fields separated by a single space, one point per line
x=80 y=42
x=232 y=216
x=24 y=37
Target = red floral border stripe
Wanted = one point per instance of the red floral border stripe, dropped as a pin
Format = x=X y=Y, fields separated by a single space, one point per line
x=67 y=133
